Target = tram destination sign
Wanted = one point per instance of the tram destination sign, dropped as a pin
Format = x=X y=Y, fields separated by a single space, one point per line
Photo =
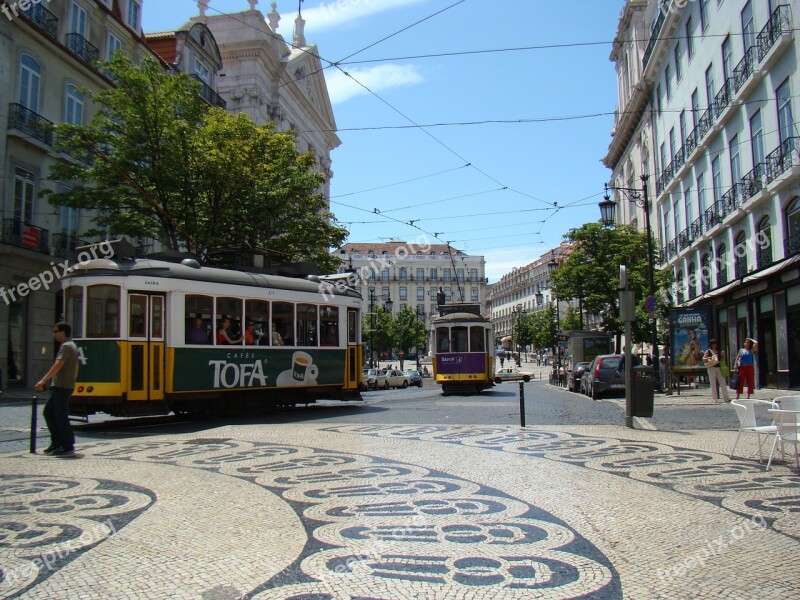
x=450 y=309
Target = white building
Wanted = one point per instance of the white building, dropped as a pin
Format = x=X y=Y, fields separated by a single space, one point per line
x=706 y=99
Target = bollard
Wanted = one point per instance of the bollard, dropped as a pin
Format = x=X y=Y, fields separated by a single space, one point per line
x=34 y=416
x=521 y=405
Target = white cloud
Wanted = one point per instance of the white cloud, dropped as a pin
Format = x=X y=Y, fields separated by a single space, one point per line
x=333 y=13
x=378 y=78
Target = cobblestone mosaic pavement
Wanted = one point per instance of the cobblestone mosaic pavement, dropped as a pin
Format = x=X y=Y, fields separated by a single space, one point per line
x=333 y=512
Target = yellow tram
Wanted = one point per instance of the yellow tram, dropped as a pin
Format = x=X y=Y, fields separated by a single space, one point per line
x=149 y=338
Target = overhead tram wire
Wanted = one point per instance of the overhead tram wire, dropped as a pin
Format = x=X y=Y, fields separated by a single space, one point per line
x=388 y=185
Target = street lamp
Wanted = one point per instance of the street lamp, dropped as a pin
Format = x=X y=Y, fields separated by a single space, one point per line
x=517 y=310
x=421 y=317
x=608 y=218
x=552 y=265
x=387 y=305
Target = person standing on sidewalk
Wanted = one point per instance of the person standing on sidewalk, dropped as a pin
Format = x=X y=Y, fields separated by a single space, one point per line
x=711 y=360
x=56 y=410
x=745 y=364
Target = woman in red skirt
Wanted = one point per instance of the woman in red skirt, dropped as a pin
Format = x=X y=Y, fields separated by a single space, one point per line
x=745 y=364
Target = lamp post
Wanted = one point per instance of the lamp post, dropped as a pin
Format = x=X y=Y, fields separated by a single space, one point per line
x=518 y=312
x=608 y=218
x=421 y=317
x=387 y=305
x=552 y=265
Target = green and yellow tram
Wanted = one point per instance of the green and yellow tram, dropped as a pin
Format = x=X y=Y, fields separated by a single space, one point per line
x=148 y=334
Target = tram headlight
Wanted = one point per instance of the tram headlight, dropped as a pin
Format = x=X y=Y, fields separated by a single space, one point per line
x=90 y=389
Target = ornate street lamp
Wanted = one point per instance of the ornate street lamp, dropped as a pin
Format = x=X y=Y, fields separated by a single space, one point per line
x=608 y=218
x=518 y=312
x=387 y=305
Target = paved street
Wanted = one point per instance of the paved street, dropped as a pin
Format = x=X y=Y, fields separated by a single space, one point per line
x=408 y=495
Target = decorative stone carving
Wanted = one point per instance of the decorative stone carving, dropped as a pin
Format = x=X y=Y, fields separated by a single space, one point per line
x=274 y=17
x=202 y=6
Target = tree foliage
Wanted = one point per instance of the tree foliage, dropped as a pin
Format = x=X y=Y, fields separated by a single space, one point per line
x=408 y=332
x=194 y=177
x=542 y=327
x=591 y=273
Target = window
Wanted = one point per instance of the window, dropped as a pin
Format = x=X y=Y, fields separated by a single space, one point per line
x=306 y=325
x=764 y=246
x=73 y=298
x=137 y=316
x=228 y=318
x=682 y=125
x=442 y=339
x=668 y=81
x=329 y=325
x=384 y=274
x=710 y=85
x=459 y=274
x=695 y=108
x=77 y=19
x=785 y=122
x=133 y=15
x=477 y=339
x=420 y=293
x=446 y=275
x=68 y=220
x=703 y=15
x=701 y=193
x=740 y=256
x=672 y=142
x=757 y=139
x=716 y=178
x=666 y=221
x=103 y=313
x=202 y=71
x=23 y=196
x=689 y=39
x=677 y=55
x=688 y=206
x=282 y=324
x=722 y=265
x=29 y=80
x=736 y=166
x=256 y=316
x=663 y=155
x=659 y=96
x=73 y=109
x=113 y=43
x=473 y=275
x=420 y=274
x=458 y=339
x=199 y=314
x=474 y=294
x=403 y=273
x=434 y=276
x=793 y=226
x=727 y=58
x=676 y=216
x=403 y=293
x=748 y=27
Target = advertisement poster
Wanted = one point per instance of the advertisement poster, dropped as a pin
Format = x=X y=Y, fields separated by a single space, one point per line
x=690 y=330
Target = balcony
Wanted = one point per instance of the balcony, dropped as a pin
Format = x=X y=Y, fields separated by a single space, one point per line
x=753 y=182
x=685 y=239
x=745 y=68
x=655 y=30
x=723 y=97
x=764 y=257
x=782 y=159
x=64 y=245
x=209 y=95
x=81 y=48
x=43 y=19
x=27 y=121
x=711 y=217
x=691 y=143
x=778 y=24
x=678 y=160
x=22 y=235
x=730 y=200
x=696 y=228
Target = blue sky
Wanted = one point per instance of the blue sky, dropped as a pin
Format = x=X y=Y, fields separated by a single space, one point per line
x=529 y=179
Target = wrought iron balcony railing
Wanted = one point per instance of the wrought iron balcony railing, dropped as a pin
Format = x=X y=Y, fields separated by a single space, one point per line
x=778 y=24
x=31 y=123
x=81 y=47
x=685 y=239
x=678 y=160
x=792 y=245
x=711 y=216
x=731 y=200
x=723 y=97
x=43 y=18
x=655 y=30
x=208 y=94
x=753 y=182
x=64 y=244
x=782 y=158
x=745 y=68
x=691 y=143
x=696 y=228
x=18 y=233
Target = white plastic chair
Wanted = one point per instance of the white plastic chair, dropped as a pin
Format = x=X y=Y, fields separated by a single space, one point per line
x=787 y=420
x=745 y=410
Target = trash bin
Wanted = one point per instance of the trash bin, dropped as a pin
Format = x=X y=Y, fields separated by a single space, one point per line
x=642 y=386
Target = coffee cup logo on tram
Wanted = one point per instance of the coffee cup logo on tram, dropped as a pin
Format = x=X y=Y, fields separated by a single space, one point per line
x=464 y=349
x=157 y=336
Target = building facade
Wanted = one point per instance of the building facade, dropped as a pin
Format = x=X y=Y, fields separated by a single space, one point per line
x=411 y=274
x=720 y=80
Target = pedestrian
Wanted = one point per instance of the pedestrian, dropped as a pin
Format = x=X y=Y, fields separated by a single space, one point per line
x=63 y=374
x=711 y=359
x=745 y=366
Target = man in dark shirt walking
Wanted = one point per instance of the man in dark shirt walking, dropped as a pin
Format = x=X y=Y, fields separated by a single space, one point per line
x=56 y=410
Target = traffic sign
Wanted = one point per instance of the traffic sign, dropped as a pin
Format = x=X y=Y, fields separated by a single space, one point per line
x=650 y=304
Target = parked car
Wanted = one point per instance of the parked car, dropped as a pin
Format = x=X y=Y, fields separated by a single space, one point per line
x=603 y=377
x=414 y=377
x=512 y=374
x=395 y=378
x=574 y=380
x=374 y=379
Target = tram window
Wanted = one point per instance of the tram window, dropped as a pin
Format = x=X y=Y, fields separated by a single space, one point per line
x=283 y=324
x=137 y=315
x=103 y=318
x=157 y=318
x=74 y=312
x=257 y=313
x=307 y=325
x=476 y=339
x=329 y=325
x=199 y=316
x=352 y=327
x=458 y=339
x=443 y=339
x=229 y=310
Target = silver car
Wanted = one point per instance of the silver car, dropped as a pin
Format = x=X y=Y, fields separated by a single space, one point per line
x=395 y=378
x=374 y=379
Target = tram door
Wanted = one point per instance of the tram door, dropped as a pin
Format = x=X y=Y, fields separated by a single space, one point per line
x=145 y=346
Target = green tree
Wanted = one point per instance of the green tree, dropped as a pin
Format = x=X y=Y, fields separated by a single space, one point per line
x=407 y=332
x=542 y=325
x=194 y=177
x=378 y=329
x=571 y=320
x=591 y=273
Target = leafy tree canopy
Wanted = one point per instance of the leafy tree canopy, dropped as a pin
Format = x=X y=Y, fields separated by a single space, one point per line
x=194 y=177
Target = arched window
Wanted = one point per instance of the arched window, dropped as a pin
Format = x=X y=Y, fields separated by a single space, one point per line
x=740 y=256
x=705 y=273
x=793 y=228
x=764 y=243
x=692 y=281
x=722 y=265
x=680 y=286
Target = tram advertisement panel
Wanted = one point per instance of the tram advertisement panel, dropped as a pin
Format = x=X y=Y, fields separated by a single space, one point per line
x=689 y=332
x=213 y=369
x=99 y=361
x=453 y=364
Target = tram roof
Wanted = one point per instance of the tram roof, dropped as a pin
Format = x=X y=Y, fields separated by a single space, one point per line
x=459 y=316
x=169 y=270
